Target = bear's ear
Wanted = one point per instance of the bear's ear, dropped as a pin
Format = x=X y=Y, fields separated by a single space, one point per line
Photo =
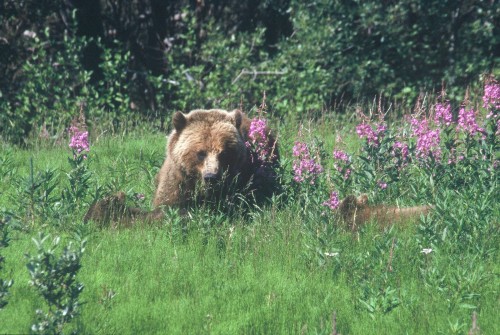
x=179 y=121
x=237 y=117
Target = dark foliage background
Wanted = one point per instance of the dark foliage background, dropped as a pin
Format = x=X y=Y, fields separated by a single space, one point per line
x=124 y=61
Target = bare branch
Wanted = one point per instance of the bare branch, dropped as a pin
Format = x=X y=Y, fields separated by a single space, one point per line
x=256 y=73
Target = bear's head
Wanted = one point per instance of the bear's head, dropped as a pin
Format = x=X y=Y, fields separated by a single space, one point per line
x=208 y=144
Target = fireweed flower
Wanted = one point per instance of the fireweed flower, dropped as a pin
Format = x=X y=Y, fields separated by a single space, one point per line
x=467 y=122
x=443 y=114
x=340 y=156
x=364 y=130
x=262 y=153
x=427 y=140
x=400 y=149
x=259 y=138
x=258 y=129
x=79 y=140
x=491 y=96
x=333 y=202
x=342 y=163
x=452 y=158
x=491 y=101
x=304 y=166
x=381 y=128
x=382 y=184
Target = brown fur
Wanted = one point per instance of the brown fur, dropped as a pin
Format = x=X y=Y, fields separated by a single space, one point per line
x=355 y=212
x=113 y=210
x=204 y=146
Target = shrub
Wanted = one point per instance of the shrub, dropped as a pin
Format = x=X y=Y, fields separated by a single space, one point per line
x=397 y=49
x=54 y=277
x=4 y=284
x=128 y=61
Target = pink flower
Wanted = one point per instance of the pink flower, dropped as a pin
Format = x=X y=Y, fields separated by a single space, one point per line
x=491 y=96
x=332 y=203
x=467 y=122
x=443 y=114
x=258 y=138
x=304 y=167
x=340 y=156
x=382 y=184
x=401 y=149
x=381 y=128
x=347 y=174
x=342 y=163
x=79 y=140
x=257 y=130
x=365 y=130
x=427 y=140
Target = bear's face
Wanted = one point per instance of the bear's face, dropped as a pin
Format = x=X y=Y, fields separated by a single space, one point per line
x=208 y=144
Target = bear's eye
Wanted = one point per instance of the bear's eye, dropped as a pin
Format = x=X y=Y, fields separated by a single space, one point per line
x=225 y=155
x=201 y=155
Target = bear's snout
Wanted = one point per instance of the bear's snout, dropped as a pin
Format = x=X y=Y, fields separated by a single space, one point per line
x=211 y=171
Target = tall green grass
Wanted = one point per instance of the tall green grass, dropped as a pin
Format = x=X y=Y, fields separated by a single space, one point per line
x=266 y=276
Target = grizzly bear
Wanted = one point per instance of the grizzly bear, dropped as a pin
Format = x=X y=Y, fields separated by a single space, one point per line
x=207 y=148
x=207 y=154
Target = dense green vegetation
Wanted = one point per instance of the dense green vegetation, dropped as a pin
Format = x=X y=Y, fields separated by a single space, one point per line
x=124 y=61
x=286 y=266
x=398 y=100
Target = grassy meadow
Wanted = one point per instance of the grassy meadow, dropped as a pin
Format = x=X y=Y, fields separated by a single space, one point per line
x=286 y=266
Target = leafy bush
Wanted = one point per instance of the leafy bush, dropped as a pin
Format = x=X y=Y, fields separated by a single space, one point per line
x=4 y=284
x=53 y=85
x=396 y=49
x=54 y=276
x=35 y=194
x=126 y=61
x=215 y=78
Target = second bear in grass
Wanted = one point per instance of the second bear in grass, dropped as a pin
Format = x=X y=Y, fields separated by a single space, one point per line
x=355 y=212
